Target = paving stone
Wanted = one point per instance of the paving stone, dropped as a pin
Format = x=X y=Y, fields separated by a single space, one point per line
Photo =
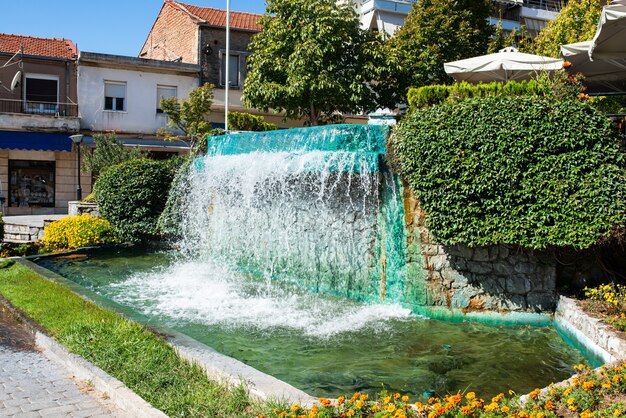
x=33 y=386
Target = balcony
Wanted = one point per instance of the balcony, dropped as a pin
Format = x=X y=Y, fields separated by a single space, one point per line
x=399 y=6
x=28 y=114
x=548 y=5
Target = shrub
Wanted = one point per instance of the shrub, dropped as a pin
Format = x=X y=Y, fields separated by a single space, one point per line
x=78 y=231
x=107 y=153
x=240 y=121
x=529 y=171
x=434 y=95
x=132 y=195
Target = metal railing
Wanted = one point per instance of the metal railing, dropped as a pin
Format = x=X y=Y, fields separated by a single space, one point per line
x=38 y=108
x=550 y=5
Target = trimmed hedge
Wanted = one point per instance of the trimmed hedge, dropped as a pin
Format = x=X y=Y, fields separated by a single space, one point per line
x=132 y=195
x=529 y=171
x=426 y=96
x=241 y=121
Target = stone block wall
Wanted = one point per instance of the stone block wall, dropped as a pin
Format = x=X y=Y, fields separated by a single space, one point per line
x=497 y=278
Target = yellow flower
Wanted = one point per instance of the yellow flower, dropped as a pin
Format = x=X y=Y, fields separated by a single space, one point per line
x=470 y=396
x=505 y=409
x=359 y=404
x=341 y=400
x=391 y=408
x=375 y=408
x=571 y=401
x=387 y=400
x=534 y=394
x=617 y=413
x=405 y=398
x=350 y=413
x=295 y=407
x=396 y=395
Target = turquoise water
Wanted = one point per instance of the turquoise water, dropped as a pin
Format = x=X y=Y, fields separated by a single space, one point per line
x=324 y=345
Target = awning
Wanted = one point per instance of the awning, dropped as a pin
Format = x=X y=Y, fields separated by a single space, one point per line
x=177 y=145
x=35 y=141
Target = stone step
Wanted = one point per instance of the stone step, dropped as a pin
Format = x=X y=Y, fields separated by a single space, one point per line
x=16 y=233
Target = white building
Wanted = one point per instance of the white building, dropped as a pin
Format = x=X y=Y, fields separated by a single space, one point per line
x=386 y=16
x=122 y=94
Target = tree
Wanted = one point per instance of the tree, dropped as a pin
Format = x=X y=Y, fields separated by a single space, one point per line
x=435 y=32
x=107 y=153
x=189 y=116
x=577 y=22
x=311 y=60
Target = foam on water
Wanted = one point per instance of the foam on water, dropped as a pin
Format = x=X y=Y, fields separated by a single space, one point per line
x=210 y=293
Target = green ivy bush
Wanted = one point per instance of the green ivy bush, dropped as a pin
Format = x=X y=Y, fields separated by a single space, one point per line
x=132 y=195
x=240 y=121
x=529 y=171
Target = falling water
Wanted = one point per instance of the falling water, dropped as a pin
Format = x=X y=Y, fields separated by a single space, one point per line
x=314 y=207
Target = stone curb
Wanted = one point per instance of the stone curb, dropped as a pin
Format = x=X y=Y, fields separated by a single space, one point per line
x=228 y=370
x=122 y=397
x=593 y=333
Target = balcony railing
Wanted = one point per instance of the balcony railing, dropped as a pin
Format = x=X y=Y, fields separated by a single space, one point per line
x=38 y=108
x=550 y=5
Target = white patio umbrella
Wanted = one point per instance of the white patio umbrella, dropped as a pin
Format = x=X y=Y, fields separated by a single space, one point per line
x=609 y=41
x=601 y=75
x=506 y=65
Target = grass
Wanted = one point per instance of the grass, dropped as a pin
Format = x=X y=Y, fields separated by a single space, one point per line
x=124 y=349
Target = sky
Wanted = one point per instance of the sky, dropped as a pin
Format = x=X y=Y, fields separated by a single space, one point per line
x=107 y=26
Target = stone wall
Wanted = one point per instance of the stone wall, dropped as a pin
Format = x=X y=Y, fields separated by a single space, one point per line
x=497 y=278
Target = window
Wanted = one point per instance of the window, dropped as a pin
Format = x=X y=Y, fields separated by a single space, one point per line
x=114 y=96
x=41 y=93
x=233 y=69
x=164 y=92
x=31 y=183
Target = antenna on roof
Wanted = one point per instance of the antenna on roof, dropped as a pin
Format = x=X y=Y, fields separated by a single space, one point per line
x=19 y=62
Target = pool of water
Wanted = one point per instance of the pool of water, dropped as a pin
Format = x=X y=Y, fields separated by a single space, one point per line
x=323 y=345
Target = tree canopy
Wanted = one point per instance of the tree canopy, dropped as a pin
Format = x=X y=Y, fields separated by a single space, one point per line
x=190 y=115
x=435 y=32
x=577 y=22
x=312 y=59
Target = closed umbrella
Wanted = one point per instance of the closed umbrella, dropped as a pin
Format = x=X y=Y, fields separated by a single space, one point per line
x=506 y=65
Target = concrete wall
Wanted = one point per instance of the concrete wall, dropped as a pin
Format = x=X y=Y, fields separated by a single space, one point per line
x=140 y=115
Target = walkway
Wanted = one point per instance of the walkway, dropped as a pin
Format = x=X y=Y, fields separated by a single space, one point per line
x=33 y=386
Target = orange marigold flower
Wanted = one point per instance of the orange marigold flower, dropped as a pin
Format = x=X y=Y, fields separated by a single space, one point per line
x=588 y=385
x=567 y=64
x=375 y=408
x=396 y=395
x=505 y=409
x=549 y=405
x=534 y=394
x=466 y=410
x=387 y=399
x=341 y=400
x=364 y=397
x=359 y=404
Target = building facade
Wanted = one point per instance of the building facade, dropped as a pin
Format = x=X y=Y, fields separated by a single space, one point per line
x=38 y=112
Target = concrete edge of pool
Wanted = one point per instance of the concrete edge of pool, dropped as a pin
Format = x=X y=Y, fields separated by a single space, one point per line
x=590 y=335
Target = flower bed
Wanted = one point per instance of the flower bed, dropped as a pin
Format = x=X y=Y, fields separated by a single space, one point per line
x=608 y=301
x=591 y=393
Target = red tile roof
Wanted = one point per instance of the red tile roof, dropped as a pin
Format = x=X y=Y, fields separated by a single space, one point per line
x=45 y=47
x=217 y=17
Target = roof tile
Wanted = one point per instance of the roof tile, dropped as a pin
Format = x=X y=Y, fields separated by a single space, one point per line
x=45 y=47
x=217 y=17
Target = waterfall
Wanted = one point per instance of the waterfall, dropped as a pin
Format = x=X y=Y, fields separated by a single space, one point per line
x=315 y=207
